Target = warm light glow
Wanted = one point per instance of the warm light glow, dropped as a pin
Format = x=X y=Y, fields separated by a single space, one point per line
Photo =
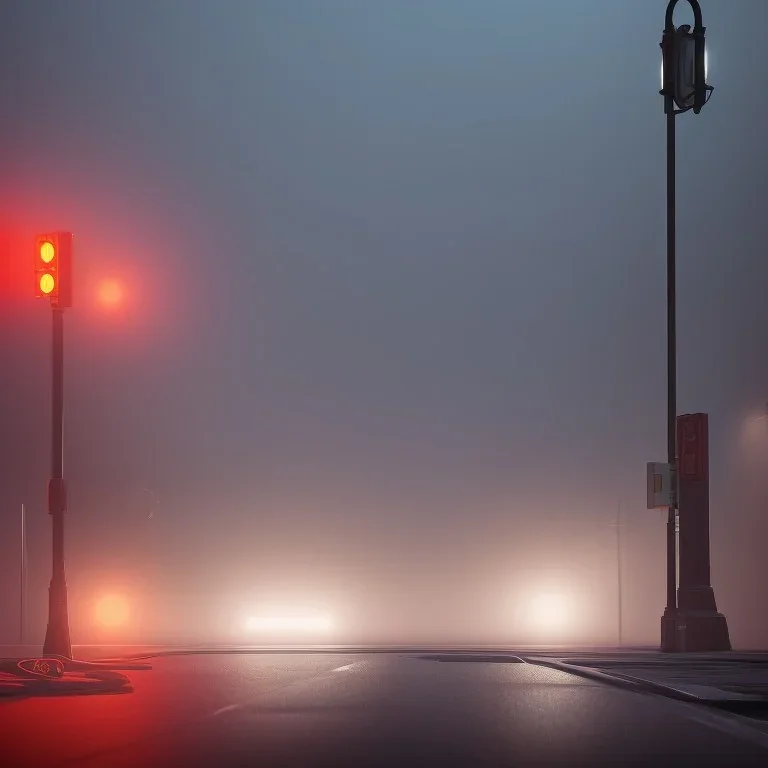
x=47 y=283
x=47 y=252
x=289 y=624
x=110 y=293
x=549 y=611
x=112 y=611
x=754 y=435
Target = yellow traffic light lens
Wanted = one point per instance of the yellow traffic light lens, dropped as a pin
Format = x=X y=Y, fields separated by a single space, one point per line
x=47 y=283
x=47 y=252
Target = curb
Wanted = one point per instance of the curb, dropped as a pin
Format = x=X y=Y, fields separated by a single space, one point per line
x=627 y=682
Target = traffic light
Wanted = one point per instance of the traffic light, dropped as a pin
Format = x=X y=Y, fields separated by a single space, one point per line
x=53 y=268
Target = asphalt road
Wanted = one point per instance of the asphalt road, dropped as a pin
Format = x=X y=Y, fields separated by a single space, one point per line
x=368 y=709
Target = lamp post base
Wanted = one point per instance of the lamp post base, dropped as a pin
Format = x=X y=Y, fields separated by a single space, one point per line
x=702 y=632
x=668 y=633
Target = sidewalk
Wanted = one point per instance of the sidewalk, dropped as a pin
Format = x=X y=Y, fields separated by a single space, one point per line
x=735 y=681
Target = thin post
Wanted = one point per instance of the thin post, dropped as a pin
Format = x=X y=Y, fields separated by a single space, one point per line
x=23 y=582
x=618 y=574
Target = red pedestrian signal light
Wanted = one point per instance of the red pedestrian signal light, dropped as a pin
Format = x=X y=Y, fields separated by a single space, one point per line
x=53 y=268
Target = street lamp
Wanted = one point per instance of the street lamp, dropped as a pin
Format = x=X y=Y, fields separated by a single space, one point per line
x=684 y=87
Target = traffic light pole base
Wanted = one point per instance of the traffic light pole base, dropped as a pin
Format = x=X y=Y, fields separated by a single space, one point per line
x=57 y=641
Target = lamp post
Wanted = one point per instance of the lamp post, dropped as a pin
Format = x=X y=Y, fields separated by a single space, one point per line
x=683 y=88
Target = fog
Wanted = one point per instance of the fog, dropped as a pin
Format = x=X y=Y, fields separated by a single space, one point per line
x=390 y=348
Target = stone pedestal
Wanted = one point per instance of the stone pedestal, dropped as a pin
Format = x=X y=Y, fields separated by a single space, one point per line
x=698 y=625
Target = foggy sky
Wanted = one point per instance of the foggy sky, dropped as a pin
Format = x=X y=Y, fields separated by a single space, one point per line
x=394 y=329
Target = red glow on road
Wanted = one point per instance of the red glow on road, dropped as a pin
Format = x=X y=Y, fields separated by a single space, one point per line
x=110 y=293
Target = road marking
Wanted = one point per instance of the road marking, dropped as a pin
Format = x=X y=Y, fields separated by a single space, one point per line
x=233 y=707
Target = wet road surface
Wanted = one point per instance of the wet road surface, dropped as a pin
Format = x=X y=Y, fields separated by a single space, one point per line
x=368 y=709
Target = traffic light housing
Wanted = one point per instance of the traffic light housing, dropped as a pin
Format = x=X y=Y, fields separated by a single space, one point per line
x=53 y=268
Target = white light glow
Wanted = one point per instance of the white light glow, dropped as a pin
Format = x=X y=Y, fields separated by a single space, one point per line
x=289 y=624
x=549 y=611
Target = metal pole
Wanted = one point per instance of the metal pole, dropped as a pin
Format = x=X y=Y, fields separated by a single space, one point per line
x=57 y=634
x=23 y=584
x=671 y=607
x=618 y=569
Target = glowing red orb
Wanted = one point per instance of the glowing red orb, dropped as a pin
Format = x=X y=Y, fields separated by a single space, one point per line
x=110 y=293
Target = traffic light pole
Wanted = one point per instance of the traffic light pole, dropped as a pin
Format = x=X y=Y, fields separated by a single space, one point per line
x=57 y=641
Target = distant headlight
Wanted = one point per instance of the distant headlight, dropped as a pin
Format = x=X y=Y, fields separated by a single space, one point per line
x=549 y=611
x=112 y=611
x=289 y=624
